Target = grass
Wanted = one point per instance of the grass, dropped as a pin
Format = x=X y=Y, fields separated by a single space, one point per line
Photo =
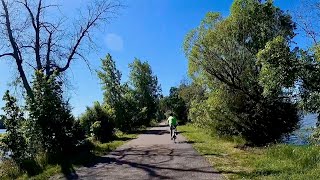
x=274 y=162
x=98 y=149
x=104 y=148
x=46 y=174
x=154 y=122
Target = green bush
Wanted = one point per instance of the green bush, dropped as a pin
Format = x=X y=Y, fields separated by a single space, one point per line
x=99 y=122
x=96 y=129
x=31 y=167
x=266 y=121
x=315 y=137
x=9 y=169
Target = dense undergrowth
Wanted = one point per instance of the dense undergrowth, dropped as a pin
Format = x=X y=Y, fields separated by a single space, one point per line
x=88 y=155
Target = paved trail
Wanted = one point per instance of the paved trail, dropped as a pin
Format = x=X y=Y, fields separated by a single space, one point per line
x=151 y=156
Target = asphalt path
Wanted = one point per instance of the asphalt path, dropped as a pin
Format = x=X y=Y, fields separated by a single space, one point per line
x=153 y=155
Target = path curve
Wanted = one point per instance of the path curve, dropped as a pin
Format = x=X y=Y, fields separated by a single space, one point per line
x=151 y=156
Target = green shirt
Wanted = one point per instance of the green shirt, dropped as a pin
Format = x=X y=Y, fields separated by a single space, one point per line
x=172 y=121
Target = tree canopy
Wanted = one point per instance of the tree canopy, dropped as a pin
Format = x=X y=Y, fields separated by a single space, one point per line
x=246 y=61
x=146 y=89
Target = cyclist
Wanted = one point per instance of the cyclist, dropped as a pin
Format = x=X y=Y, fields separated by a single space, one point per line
x=172 y=122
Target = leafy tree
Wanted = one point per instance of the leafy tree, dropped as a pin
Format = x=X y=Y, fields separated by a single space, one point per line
x=310 y=58
x=51 y=127
x=309 y=82
x=175 y=104
x=279 y=66
x=110 y=78
x=14 y=139
x=133 y=105
x=114 y=92
x=146 y=90
x=189 y=91
x=241 y=59
x=135 y=116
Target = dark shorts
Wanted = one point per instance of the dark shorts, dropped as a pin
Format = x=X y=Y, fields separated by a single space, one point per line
x=173 y=127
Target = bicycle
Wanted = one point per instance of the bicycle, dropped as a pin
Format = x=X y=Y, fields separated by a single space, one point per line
x=174 y=136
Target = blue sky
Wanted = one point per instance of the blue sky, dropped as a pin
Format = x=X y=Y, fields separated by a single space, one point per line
x=151 y=30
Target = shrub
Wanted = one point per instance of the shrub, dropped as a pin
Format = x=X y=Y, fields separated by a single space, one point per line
x=99 y=122
x=266 y=121
x=31 y=167
x=315 y=137
x=9 y=169
x=96 y=129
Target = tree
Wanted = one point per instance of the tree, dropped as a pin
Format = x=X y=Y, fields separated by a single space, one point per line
x=234 y=56
x=175 y=104
x=34 y=41
x=309 y=83
x=110 y=78
x=146 y=90
x=14 y=139
x=114 y=91
x=309 y=22
x=134 y=103
x=279 y=66
x=51 y=128
x=189 y=91
x=310 y=57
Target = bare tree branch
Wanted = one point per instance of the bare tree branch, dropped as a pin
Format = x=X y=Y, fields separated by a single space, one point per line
x=94 y=16
x=309 y=22
x=7 y=54
x=16 y=51
x=49 y=44
x=36 y=26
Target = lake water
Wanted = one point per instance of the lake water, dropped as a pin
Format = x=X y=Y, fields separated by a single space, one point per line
x=2 y=131
x=300 y=136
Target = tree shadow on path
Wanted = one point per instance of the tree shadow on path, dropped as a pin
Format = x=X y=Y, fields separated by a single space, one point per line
x=156 y=161
x=153 y=132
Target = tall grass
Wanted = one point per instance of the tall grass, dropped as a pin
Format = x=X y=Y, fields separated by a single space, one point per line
x=274 y=162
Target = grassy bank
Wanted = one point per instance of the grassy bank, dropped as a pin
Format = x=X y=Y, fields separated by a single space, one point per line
x=98 y=149
x=274 y=162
